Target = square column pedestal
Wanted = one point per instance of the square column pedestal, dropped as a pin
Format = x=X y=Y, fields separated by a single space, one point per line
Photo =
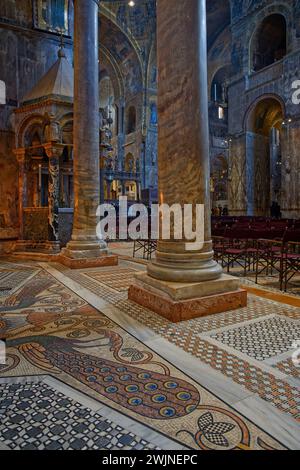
x=80 y=255
x=180 y=302
x=81 y=262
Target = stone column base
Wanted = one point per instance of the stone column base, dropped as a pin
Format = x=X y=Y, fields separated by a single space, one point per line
x=87 y=254
x=180 y=302
x=81 y=263
x=31 y=246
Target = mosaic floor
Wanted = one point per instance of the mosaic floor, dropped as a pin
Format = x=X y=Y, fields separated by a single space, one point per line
x=28 y=409
x=88 y=369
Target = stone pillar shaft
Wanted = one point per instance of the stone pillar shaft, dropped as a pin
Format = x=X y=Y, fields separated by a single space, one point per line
x=54 y=152
x=86 y=120
x=22 y=185
x=183 y=148
x=84 y=241
x=183 y=284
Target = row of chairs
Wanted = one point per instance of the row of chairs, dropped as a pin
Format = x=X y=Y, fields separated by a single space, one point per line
x=147 y=247
x=220 y=224
x=263 y=252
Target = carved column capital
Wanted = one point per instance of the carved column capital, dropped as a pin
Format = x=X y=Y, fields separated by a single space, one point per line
x=54 y=150
x=20 y=154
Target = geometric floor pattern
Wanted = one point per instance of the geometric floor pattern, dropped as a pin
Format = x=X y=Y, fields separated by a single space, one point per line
x=188 y=336
x=262 y=339
x=34 y=416
x=51 y=331
x=288 y=367
x=271 y=389
x=118 y=281
x=11 y=277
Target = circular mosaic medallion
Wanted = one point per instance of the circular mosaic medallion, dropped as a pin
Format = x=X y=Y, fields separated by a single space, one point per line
x=135 y=401
x=167 y=412
x=159 y=398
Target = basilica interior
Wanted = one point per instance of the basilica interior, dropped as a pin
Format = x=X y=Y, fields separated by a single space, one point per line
x=117 y=342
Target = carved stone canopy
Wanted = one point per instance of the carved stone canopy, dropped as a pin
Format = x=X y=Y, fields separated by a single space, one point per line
x=57 y=83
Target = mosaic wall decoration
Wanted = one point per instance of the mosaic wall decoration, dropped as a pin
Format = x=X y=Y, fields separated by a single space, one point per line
x=52 y=15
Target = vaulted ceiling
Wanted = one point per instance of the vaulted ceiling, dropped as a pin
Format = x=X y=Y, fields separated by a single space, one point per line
x=218 y=14
x=218 y=18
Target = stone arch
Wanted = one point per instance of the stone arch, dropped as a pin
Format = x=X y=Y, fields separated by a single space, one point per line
x=274 y=9
x=152 y=67
x=125 y=52
x=67 y=131
x=30 y=122
x=218 y=19
x=108 y=15
x=108 y=62
x=269 y=42
x=263 y=125
x=65 y=118
x=220 y=77
x=251 y=107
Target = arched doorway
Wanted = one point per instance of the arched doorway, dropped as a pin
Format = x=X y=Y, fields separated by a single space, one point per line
x=263 y=155
x=269 y=42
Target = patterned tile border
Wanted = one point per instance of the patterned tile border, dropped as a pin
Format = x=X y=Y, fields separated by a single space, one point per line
x=261 y=339
x=288 y=367
x=35 y=416
x=185 y=335
x=95 y=356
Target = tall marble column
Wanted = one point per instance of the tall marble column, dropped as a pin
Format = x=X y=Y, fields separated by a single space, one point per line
x=178 y=279
x=84 y=243
x=183 y=140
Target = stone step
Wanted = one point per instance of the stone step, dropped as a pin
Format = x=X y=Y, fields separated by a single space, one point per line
x=35 y=256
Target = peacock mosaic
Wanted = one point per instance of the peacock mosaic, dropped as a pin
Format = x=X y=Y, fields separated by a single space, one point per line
x=50 y=331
